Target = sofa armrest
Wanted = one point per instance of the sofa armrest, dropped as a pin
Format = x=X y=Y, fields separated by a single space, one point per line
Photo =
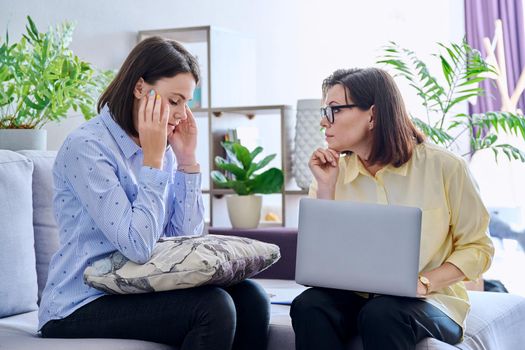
x=284 y=238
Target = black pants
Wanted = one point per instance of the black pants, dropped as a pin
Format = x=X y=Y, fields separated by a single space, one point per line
x=326 y=319
x=199 y=318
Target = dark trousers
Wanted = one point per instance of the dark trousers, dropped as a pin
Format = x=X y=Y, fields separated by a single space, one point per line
x=325 y=318
x=199 y=318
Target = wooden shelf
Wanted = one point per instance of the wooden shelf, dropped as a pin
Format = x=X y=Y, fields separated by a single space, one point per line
x=201 y=112
x=227 y=60
x=262 y=225
x=269 y=109
x=270 y=120
x=228 y=191
x=299 y=192
x=249 y=110
x=184 y=35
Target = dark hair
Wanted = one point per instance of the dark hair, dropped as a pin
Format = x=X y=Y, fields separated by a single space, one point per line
x=152 y=59
x=394 y=134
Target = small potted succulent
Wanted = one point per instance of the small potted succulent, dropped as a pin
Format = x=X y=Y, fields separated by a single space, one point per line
x=41 y=80
x=240 y=167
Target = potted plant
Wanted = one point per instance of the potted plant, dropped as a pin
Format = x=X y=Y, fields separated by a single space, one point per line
x=462 y=70
x=41 y=80
x=244 y=208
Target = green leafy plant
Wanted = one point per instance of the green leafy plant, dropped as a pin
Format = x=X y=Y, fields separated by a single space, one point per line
x=41 y=79
x=242 y=166
x=463 y=69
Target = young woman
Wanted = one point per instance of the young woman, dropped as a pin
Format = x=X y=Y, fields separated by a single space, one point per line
x=122 y=180
x=387 y=161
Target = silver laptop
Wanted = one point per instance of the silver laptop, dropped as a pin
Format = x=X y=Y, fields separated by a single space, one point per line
x=358 y=246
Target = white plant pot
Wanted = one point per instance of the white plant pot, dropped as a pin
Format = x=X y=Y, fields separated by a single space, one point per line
x=23 y=139
x=308 y=138
x=244 y=211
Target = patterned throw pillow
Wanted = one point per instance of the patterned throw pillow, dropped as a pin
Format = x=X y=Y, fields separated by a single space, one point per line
x=184 y=262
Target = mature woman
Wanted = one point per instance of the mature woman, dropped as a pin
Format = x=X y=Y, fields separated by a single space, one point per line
x=386 y=160
x=122 y=180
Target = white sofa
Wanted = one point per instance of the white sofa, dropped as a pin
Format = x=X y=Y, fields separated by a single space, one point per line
x=28 y=238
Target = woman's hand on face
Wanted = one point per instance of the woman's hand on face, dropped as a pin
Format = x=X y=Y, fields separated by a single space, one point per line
x=152 y=125
x=324 y=164
x=183 y=139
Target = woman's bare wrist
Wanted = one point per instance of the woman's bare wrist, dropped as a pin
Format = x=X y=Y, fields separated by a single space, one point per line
x=327 y=192
x=189 y=168
x=154 y=163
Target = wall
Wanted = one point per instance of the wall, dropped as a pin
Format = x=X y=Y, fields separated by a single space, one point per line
x=298 y=43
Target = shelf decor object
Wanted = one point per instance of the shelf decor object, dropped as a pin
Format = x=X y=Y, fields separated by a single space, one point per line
x=244 y=207
x=308 y=137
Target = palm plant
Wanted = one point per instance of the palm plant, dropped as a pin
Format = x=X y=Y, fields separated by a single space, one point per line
x=463 y=69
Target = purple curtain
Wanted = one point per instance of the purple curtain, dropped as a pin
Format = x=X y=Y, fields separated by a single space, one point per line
x=480 y=16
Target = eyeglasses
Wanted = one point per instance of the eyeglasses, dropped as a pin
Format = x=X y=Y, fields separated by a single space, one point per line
x=329 y=111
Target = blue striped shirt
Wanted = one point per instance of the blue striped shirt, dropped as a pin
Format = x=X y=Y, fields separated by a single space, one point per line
x=106 y=200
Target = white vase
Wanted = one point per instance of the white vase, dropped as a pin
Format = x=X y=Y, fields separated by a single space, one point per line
x=308 y=138
x=23 y=139
x=244 y=211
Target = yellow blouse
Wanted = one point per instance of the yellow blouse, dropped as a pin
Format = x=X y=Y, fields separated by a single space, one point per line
x=454 y=223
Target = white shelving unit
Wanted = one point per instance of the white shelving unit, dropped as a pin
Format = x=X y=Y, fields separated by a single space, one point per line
x=227 y=63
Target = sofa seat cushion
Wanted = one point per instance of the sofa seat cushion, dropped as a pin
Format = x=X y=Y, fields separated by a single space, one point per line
x=496 y=321
x=19 y=333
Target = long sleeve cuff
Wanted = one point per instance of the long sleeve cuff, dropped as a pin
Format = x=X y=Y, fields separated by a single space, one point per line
x=188 y=203
x=154 y=178
x=472 y=262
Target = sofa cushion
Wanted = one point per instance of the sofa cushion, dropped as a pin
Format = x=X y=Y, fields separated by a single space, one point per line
x=18 y=286
x=496 y=321
x=19 y=333
x=44 y=224
x=183 y=262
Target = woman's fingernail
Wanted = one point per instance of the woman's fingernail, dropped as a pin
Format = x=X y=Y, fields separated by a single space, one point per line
x=158 y=97
x=151 y=92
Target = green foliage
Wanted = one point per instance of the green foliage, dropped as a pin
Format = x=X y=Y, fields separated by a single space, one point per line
x=463 y=69
x=242 y=166
x=41 y=79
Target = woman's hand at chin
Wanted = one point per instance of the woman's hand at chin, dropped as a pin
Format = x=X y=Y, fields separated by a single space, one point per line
x=183 y=139
x=324 y=165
